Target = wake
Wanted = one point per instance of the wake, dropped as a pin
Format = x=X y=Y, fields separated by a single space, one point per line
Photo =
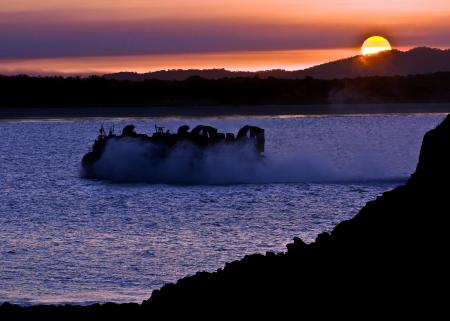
x=132 y=161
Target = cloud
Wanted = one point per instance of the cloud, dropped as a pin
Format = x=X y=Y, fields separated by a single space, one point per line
x=105 y=28
x=67 y=39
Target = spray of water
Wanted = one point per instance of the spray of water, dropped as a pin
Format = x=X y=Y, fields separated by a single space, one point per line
x=132 y=161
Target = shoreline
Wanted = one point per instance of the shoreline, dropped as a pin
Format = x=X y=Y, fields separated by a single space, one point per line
x=37 y=113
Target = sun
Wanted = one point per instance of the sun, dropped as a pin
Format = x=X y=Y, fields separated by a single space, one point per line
x=374 y=45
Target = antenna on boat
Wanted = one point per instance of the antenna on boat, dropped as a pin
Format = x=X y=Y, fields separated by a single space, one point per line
x=102 y=132
x=159 y=130
x=111 y=130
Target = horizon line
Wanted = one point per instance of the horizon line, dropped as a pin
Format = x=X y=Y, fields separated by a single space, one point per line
x=92 y=72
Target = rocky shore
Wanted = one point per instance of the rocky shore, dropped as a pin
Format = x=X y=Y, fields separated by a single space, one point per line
x=391 y=257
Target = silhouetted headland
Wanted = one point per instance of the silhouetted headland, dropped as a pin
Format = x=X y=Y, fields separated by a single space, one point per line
x=420 y=60
x=390 y=258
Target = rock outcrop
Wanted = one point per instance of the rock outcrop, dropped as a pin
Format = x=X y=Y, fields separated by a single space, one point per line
x=392 y=256
x=395 y=248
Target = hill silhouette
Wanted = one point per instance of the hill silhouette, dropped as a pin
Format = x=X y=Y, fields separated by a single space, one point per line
x=420 y=60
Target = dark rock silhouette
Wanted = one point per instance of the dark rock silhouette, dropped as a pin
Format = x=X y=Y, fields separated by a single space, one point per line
x=421 y=60
x=389 y=260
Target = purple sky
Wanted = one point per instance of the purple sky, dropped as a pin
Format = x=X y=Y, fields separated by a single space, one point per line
x=49 y=28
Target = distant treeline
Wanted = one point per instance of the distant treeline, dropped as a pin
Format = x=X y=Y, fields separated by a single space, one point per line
x=25 y=91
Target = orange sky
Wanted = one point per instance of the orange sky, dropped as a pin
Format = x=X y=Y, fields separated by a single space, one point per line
x=239 y=60
x=231 y=9
x=110 y=35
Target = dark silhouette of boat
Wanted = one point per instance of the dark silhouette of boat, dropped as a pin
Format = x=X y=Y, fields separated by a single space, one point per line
x=162 y=142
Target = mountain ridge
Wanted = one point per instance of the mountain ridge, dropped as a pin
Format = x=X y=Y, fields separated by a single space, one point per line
x=419 y=60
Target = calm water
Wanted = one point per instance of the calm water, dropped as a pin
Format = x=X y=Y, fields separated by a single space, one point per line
x=68 y=239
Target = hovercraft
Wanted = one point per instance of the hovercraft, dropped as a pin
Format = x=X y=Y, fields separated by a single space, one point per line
x=162 y=142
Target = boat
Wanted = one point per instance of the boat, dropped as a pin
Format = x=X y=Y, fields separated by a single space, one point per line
x=162 y=142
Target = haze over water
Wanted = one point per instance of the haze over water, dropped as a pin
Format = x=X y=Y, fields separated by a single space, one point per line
x=68 y=239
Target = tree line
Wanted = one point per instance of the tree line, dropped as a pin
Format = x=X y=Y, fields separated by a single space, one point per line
x=27 y=91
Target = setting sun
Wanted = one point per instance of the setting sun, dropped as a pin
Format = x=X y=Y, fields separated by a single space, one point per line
x=374 y=45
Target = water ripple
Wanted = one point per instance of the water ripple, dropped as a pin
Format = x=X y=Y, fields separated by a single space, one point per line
x=67 y=239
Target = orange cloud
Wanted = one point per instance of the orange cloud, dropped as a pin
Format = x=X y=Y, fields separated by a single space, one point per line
x=255 y=10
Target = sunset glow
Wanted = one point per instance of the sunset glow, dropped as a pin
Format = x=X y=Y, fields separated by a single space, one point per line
x=235 y=60
x=50 y=32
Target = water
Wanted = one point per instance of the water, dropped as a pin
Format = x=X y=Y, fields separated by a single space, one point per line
x=68 y=239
